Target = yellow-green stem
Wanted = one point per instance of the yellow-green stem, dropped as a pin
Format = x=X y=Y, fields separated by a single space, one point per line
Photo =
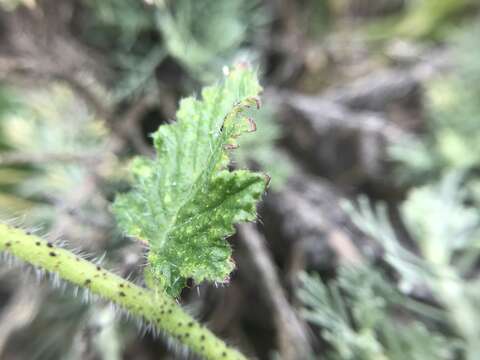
x=154 y=307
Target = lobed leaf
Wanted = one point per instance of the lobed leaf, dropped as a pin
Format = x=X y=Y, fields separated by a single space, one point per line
x=185 y=202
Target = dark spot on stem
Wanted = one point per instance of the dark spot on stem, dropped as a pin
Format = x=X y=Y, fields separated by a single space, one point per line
x=37 y=243
x=87 y=282
x=52 y=254
x=8 y=244
x=121 y=293
x=99 y=268
x=50 y=245
x=202 y=338
x=190 y=324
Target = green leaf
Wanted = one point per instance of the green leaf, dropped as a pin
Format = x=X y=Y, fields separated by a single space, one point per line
x=185 y=202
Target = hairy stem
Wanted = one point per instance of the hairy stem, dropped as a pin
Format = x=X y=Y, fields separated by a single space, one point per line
x=156 y=308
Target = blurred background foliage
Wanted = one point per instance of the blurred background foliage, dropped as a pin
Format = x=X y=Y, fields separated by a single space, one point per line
x=368 y=241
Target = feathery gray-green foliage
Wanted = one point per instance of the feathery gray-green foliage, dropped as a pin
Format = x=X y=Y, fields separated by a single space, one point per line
x=446 y=233
x=366 y=316
x=362 y=316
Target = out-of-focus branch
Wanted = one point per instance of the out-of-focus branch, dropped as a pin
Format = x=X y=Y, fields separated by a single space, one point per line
x=324 y=115
x=308 y=224
x=375 y=91
x=130 y=126
x=337 y=142
x=292 y=337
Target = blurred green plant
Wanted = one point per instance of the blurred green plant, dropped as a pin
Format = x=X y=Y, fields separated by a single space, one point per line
x=446 y=233
x=205 y=35
x=424 y=19
x=371 y=321
x=37 y=125
x=10 y=5
x=431 y=18
x=202 y=36
x=9 y=176
x=452 y=138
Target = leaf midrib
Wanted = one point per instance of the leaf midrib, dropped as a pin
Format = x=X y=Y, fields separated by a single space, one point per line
x=196 y=186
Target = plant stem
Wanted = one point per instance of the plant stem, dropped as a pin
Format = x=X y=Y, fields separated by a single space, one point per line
x=154 y=307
